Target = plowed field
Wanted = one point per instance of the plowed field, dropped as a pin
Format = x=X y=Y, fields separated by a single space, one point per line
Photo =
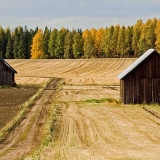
x=11 y=100
x=89 y=125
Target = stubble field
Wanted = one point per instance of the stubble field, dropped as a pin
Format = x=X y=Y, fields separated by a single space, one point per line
x=90 y=124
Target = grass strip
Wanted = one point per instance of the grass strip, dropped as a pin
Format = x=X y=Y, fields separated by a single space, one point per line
x=10 y=125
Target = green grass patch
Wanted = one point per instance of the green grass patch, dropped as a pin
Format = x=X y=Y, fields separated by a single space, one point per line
x=103 y=100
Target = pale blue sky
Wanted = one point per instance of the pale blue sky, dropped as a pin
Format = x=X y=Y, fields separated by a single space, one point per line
x=76 y=13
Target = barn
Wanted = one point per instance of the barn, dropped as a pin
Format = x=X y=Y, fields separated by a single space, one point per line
x=140 y=82
x=7 y=73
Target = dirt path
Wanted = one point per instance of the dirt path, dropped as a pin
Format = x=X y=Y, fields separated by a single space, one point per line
x=99 y=132
x=26 y=135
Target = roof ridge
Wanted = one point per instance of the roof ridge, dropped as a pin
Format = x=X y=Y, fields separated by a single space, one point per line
x=8 y=65
x=136 y=63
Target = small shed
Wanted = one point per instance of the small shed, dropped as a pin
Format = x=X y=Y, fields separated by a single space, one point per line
x=7 y=73
x=140 y=82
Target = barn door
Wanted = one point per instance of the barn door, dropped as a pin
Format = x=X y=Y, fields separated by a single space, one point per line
x=151 y=90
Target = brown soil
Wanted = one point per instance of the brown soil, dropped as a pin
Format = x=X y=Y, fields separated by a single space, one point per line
x=27 y=134
x=11 y=100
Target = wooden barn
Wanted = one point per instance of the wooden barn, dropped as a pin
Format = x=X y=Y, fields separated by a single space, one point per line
x=140 y=82
x=7 y=73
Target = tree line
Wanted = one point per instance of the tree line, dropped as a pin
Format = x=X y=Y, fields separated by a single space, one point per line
x=113 y=41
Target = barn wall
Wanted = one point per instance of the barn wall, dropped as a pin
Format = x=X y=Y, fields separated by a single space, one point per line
x=6 y=74
x=142 y=85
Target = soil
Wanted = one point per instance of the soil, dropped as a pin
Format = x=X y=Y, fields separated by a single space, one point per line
x=27 y=134
x=11 y=100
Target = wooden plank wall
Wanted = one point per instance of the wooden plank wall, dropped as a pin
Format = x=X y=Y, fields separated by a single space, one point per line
x=142 y=85
x=5 y=74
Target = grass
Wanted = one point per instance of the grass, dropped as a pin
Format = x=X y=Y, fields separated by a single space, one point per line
x=46 y=132
x=103 y=100
x=4 y=86
x=9 y=126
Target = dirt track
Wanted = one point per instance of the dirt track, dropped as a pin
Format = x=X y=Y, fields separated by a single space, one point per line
x=27 y=134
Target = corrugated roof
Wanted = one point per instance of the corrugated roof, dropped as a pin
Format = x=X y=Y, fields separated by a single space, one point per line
x=136 y=63
x=8 y=65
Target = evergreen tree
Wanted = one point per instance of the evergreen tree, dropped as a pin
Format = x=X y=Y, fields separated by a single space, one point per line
x=22 y=51
x=37 y=50
x=28 y=42
x=53 y=43
x=9 y=49
x=2 y=43
x=79 y=30
x=15 y=44
x=46 y=38
x=78 y=45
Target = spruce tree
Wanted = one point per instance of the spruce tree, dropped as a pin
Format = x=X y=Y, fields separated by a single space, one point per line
x=53 y=43
x=2 y=43
x=46 y=37
x=9 y=49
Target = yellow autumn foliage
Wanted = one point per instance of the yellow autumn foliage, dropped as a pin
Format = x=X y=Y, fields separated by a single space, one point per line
x=37 y=50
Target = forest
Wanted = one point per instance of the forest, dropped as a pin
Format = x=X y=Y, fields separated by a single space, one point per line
x=114 y=41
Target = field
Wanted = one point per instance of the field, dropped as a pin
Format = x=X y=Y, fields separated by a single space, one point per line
x=91 y=123
x=11 y=99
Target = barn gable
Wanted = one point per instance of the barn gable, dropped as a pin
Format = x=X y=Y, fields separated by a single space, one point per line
x=136 y=63
x=140 y=82
x=7 y=73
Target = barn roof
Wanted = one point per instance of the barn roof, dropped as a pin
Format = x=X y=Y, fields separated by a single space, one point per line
x=136 y=63
x=8 y=65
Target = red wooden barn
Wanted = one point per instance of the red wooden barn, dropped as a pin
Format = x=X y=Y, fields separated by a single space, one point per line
x=7 y=73
x=140 y=82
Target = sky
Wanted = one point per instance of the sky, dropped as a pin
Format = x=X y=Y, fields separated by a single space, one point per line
x=84 y=14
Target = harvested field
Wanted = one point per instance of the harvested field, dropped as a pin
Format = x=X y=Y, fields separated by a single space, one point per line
x=102 y=131
x=90 y=122
x=77 y=71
